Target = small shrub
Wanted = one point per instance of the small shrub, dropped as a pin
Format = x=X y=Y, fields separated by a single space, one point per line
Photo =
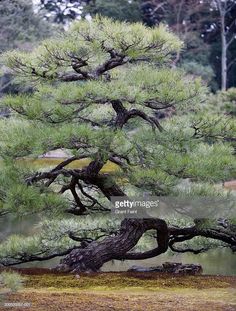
x=11 y=281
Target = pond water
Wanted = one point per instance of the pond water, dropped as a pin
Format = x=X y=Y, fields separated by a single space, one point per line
x=220 y=261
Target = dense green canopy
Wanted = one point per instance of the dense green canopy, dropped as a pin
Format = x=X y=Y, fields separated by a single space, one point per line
x=98 y=92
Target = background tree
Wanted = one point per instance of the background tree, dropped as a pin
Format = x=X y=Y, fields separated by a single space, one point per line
x=68 y=10
x=20 y=28
x=62 y=11
x=122 y=10
x=207 y=27
x=19 y=25
x=228 y=35
x=98 y=88
x=190 y=20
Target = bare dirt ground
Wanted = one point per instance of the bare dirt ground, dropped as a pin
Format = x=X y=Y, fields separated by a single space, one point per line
x=124 y=292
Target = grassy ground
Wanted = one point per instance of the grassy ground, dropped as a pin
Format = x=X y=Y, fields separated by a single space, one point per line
x=125 y=292
x=52 y=162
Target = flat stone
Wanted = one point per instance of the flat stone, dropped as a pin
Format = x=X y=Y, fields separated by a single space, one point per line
x=170 y=267
x=145 y=269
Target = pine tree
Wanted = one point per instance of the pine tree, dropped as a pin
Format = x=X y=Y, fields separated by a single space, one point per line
x=98 y=91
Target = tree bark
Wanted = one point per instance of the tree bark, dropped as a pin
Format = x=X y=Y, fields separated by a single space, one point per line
x=222 y=10
x=223 y=54
x=108 y=188
x=92 y=257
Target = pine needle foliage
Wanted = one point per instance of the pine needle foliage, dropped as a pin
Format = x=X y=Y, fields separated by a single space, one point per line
x=99 y=90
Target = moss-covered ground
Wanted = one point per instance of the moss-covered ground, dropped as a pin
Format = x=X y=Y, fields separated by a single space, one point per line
x=46 y=291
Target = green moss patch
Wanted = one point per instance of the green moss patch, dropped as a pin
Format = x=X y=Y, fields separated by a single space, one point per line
x=101 y=281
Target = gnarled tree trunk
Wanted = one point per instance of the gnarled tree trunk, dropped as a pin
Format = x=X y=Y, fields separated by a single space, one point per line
x=92 y=257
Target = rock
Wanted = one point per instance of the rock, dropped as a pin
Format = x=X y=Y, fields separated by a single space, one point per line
x=170 y=267
x=233 y=248
x=179 y=268
x=189 y=269
x=145 y=269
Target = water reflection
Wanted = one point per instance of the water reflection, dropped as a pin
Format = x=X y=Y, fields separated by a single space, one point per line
x=221 y=261
x=11 y=224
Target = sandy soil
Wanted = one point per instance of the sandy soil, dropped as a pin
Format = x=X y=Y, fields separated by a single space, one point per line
x=125 y=292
